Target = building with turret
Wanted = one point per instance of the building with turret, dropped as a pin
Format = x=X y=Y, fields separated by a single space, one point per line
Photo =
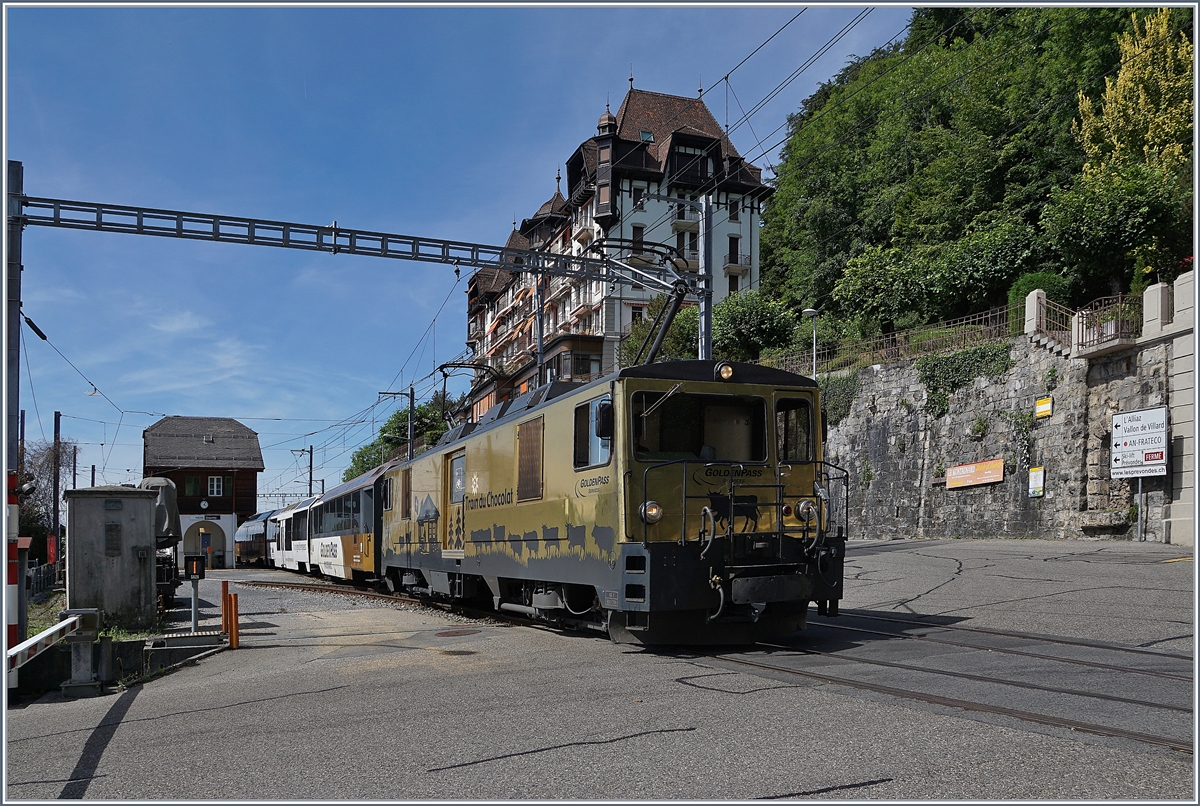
x=654 y=145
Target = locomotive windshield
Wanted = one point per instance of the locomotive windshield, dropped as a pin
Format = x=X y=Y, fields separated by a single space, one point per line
x=712 y=428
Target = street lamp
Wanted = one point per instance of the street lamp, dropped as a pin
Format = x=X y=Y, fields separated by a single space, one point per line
x=812 y=313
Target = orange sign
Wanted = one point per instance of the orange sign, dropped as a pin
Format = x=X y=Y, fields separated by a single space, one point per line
x=987 y=472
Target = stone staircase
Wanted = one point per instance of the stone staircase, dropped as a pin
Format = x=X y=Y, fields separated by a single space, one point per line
x=1057 y=343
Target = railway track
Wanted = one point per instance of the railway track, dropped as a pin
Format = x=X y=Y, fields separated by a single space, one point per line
x=1180 y=745
x=1010 y=651
x=974 y=706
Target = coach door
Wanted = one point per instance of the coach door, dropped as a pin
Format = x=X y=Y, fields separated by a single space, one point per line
x=454 y=526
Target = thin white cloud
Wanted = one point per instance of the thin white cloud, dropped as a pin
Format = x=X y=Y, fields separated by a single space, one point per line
x=182 y=322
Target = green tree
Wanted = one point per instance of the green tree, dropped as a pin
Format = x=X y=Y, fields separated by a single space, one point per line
x=933 y=162
x=679 y=344
x=1146 y=114
x=393 y=434
x=1129 y=215
x=746 y=323
x=1101 y=224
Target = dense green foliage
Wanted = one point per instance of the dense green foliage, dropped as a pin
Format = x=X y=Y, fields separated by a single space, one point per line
x=743 y=324
x=924 y=179
x=837 y=395
x=943 y=375
x=394 y=433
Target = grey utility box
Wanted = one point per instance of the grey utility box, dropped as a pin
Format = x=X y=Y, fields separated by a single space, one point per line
x=110 y=554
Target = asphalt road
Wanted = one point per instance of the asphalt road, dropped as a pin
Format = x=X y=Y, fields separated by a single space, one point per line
x=343 y=698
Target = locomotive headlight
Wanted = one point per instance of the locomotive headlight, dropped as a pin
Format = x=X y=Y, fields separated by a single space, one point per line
x=652 y=512
x=724 y=371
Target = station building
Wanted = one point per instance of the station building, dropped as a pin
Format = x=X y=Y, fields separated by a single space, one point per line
x=656 y=144
x=214 y=462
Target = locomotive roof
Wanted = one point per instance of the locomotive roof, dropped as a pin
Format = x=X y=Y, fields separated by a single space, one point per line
x=504 y=411
x=704 y=371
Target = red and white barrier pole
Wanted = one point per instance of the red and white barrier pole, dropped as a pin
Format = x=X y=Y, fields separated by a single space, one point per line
x=12 y=589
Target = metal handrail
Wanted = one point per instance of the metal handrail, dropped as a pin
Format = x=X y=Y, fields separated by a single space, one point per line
x=1110 y=319
x=955 y=334
x=1054 y=320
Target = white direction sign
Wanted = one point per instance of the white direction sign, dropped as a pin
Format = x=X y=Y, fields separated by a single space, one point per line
x=1139 y=444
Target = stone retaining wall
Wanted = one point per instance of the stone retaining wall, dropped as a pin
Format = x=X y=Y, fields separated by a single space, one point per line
x=897 y=453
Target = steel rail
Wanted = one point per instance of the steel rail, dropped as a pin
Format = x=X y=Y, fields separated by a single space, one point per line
x=978 y=707
x=933 y=699
x=985 y=679
x=1028 y=636
x=1008 y=651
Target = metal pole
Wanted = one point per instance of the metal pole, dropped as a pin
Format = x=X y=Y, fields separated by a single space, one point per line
x=195 y=604
x=93 y=475
x=1141 y=506
x=412 y=419
x=814 y=324
x=310 y=452
x=704 y=346
x=74 y=467
x=57 y=467
x=21 y=457
x=16 y=187
x=537 y=293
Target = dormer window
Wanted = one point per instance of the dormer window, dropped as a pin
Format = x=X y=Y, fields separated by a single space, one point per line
x=647 y=137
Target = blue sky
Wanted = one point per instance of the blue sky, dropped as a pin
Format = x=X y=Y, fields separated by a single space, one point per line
x=441 y=122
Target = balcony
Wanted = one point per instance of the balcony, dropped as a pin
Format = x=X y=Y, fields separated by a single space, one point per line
x=474 y=331
x=736 y=263
x=583 y=234
x=685 y=218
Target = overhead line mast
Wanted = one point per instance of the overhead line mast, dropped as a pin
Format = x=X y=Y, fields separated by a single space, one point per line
x=38 y=211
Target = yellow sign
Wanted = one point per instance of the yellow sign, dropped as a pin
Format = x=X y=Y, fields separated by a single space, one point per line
x=1037 y=482
x=1045 y=407
x=987 y=472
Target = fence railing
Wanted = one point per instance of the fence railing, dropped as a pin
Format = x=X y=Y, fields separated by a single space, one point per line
x=1109 y=319
x=1054 y=320
x=41 y=579
x=955 y=334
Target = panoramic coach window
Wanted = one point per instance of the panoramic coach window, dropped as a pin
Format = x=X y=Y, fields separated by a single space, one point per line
x=590 y=450
x=529 y=460
x=712 y=428
x=793 y=430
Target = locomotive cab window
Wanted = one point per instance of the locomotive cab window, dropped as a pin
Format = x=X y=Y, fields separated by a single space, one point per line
x=711 y=428
x=793 y=430
x=590 y=450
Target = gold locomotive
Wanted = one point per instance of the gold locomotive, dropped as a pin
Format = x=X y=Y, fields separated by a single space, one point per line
x=679 y=502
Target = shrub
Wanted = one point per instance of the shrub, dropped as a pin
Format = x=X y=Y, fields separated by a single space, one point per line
x=1055 y=286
